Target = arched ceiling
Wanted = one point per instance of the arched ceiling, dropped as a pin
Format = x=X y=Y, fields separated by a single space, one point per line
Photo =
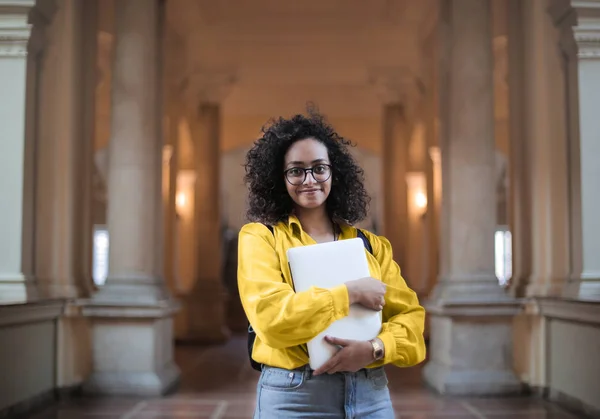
x=283 y=53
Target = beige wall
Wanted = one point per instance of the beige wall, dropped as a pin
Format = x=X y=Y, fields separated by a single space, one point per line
x=574 y=360
x=556 y=347
x=27 y=361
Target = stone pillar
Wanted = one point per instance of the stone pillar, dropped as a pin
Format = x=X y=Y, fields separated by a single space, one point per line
x=431 y=164
x=205 y=307
x=132 y=313
x=396 y=136
x=64 y=154
x=545 y=150
x=585 y=284
x=519 y=199
x=14 y=36
x=471 y=316
x=170 y=168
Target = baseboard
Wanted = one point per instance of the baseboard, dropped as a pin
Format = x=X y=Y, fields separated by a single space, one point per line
x=563 y=400
x=69 y=393
x=538 y=392
x=34 y=404
x=27 y=407
x=573 y=405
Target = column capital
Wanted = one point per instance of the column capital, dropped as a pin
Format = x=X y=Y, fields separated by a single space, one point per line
x=14 y=27
x=207 y=87
x=396 y=85
x=40 y=17
x=587 y=29
x=564 y=18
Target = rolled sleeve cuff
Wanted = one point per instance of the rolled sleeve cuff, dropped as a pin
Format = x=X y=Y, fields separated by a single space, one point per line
x=340 y=301
x=389 y=343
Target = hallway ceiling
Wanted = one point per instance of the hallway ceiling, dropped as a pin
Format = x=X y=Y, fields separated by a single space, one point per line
x=282 y=53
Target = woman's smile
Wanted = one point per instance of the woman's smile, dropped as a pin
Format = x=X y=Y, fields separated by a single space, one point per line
x=311 y=191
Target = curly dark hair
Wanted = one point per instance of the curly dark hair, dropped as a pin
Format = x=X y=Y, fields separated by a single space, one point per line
x=269 y=201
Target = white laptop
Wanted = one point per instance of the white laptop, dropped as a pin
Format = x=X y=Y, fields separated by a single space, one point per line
x=327 y=265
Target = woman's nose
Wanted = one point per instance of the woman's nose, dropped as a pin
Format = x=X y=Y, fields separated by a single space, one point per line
x=310 y=179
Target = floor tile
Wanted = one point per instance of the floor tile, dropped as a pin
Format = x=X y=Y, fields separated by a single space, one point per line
x=218 y=383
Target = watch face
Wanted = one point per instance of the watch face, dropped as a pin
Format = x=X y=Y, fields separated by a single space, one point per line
x=377 y=350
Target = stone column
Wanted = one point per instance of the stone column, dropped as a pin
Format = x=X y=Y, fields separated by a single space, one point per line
x=170 y=168
x=519 y=200
x=14 y=36
x=206 y=302
x=64 y=154
x=396 y=136
x=471 y=316
x=585 y=284
x=204 y=312
x=132 y=313
x=544 y=110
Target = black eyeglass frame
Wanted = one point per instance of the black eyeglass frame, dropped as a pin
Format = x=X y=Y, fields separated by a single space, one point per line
x=306 y=170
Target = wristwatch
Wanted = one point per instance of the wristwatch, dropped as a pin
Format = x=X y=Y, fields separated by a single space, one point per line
x=377 y=349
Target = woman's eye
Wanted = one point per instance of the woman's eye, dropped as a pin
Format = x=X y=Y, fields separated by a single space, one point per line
x=319 y=170
x=295 y=172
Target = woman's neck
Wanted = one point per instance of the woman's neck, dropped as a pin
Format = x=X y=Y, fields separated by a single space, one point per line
x=315 y=222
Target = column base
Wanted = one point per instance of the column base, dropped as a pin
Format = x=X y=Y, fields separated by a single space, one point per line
x=145 y=292
x=471 y=349
x=469 y=289
x=450 y=381
x=132 y=349
x=51 y=291
x=203 y=318
x=144 y=384
x=544 y=287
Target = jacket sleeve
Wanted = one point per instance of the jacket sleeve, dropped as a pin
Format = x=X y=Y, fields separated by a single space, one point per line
x=281 y=317
x=403 y=316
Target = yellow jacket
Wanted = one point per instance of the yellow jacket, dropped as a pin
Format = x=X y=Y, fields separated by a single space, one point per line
x=284 y=320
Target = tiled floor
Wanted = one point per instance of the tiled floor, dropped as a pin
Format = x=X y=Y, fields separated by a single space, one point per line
x=218 y=383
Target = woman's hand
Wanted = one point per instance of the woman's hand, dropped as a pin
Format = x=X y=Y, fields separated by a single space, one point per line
x=352 y=356
x=368 y=292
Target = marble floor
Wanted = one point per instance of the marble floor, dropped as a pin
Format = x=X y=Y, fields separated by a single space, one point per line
x=217 y=383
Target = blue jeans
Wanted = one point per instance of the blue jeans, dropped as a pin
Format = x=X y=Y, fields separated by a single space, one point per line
x=294 y=394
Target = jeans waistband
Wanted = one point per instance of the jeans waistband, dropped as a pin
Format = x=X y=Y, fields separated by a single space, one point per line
x=306 y=369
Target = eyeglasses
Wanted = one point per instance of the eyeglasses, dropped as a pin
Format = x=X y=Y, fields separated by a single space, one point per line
x=297 y=175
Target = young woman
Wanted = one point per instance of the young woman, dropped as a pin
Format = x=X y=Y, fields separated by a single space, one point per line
x=306 y=186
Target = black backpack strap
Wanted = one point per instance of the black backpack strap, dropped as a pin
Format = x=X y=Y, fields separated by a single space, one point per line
x=361 y=235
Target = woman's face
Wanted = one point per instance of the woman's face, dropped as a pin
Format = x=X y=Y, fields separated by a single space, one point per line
x=308 y=189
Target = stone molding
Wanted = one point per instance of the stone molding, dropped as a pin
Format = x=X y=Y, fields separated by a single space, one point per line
x=587 y=28
x=14 y=27
x=161 y=309
x=480 y=310
x=14 y=314
x=571 y=310
x=588 y=44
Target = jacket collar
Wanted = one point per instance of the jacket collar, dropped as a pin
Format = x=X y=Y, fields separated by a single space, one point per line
x=294 y=223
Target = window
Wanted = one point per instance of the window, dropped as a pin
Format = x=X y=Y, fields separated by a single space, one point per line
x=100 y=255
x=503 y=257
